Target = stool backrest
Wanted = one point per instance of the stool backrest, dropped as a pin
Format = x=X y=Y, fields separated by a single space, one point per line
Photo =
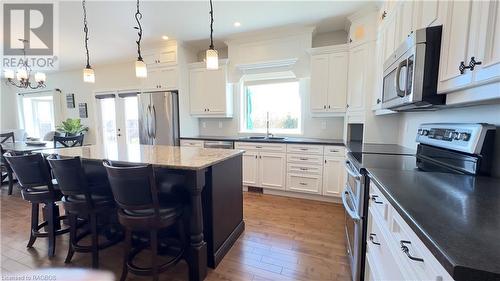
x=133 y=186
x=69 y=174
x=31 y=170
x=69 y=141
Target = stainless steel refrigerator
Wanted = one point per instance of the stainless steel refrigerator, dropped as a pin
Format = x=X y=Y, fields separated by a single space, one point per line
x=159 y=118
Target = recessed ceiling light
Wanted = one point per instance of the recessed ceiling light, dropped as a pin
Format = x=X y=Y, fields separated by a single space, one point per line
x=236 y=24
x=164 y=37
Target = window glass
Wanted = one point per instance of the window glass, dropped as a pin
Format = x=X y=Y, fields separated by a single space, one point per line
x=38 y=115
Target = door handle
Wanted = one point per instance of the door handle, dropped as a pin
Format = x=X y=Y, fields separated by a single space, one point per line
x=349 y=170
x=349 y=211
x=398 y=76
x=154 y=122
x=147 y=121
x=406 y=250
x=374 y=199
x=372 y=239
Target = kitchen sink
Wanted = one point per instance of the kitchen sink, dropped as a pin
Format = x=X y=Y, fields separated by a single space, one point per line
x=275 y=138
x=254 y=138
x=262 y=138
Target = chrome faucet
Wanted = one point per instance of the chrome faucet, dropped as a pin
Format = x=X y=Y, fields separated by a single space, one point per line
x=268 y=135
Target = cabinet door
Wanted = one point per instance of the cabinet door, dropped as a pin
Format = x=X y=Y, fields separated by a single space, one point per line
x=405 y=15
x=272 y=169
x=356 y=80
x=152 y=82
x=333 y=176
x=488 y=49
x=250 y=168
x=169 y=79
x=197 y=91
x=337 y=90
x=390 y=36
x=319 y=82
x=455 y=46
x=215 y=90
x=428 y=13
x=379 y=72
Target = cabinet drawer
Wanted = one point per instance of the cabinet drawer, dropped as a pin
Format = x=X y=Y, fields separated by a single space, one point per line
x=305 y=149
x=305 y=159
x=423 y=265
x=334 y=151
x=304 y=183
x=192 y=143
x=379 y=203
x=271 y=147
x=304 y=169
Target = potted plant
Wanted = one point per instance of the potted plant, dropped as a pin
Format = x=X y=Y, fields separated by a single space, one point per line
x=72 y=127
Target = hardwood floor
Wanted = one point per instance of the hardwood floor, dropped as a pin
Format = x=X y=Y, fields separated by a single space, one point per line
x=285 y=239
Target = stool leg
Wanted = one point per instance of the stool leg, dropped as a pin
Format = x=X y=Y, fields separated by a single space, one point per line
x=154 y=255
x=127 y=245
x=34 y=223
x=52 y=228
x=11 y=180
x=95 y=241
x=72 y=237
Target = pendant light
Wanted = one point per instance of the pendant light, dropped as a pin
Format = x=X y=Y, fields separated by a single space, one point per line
x=212 y=58
x=140 y=67
x=88 y=72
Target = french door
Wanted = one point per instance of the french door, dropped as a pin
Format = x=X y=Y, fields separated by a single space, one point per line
x=118 y=122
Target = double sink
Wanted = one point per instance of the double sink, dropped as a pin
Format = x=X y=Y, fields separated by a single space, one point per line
x=262 y=138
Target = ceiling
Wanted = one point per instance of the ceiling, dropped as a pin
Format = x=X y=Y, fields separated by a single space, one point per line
x=112 y=35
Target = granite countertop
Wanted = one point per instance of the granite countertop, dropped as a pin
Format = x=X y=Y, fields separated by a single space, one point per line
x=286 y=140
x=379 y=148
x=174 y=157
x=456 y=216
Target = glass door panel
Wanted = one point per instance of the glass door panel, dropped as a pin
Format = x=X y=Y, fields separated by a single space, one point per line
x=108 y=125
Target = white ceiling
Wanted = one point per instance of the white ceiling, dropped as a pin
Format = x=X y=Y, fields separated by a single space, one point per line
x=112 y=37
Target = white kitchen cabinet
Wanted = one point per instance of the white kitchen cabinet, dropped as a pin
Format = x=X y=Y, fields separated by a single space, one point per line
x=329 y=80
x=488 y=43
x=357 y=78
x=161 y=57
x=378 y=72
x=251 y=168
x=426 y=13
x=192 y=143
x=405 y=21
x=303 y=182
x=390 y=30
x=272 y=170
x=456 y=46
x=209 y=91
x=161 y=79
x=333 y=176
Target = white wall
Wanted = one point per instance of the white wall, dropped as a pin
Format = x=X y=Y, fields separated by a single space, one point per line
x=410 y=121
x=8 y=107
x=329 y=38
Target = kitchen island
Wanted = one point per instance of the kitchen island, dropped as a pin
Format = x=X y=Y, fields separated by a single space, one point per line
x=213 y=178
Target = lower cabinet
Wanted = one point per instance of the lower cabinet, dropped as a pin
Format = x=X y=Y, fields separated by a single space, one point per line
x=304 y=183
x=333 y=176
x=272 y=170
x=251 y=168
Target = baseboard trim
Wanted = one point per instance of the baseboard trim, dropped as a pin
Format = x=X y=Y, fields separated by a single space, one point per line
x=315 y=197
x=226 y=246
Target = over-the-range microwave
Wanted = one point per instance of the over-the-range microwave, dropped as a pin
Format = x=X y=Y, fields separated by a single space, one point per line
x=411 y=73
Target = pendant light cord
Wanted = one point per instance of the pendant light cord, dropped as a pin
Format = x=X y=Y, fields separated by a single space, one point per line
x=138 y=17
x=86 y=30
x=211 y=25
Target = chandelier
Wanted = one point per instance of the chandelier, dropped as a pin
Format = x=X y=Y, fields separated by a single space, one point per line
x=23 y=74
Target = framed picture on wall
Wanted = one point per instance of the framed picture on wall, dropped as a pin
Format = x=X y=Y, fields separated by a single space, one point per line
x=82 y=109
x=70 y=100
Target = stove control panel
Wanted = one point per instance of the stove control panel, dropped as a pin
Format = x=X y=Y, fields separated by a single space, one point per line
x=467 y=138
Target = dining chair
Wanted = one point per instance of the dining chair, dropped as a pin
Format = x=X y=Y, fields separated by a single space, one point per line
x=81 y=203
x=6 y=171
x=6 y=136
x=135 y=192
x=71 y=141
x=37 y=187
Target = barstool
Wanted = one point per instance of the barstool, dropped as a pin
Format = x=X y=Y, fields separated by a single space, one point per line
x=135 y=192
x=80 y=202
x=37 y=187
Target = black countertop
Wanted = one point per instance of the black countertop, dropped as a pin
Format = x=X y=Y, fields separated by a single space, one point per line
x=291 y=140
x=376 y=148
x=456 y=216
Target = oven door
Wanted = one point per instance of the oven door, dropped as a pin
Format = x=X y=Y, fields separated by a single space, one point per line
x=354 y=184
x=353 y=232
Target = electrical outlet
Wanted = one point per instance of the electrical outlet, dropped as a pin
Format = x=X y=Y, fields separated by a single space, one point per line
x=204 y=124
x=323 y=125
x=220 y=125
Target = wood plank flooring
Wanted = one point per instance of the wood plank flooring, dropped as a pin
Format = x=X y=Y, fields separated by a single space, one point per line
x=285 y=239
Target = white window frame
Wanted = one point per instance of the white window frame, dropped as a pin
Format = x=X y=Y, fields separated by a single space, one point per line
x=270 y=78
x=56 y=108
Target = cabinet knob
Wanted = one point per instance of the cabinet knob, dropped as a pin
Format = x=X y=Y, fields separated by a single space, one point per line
x=347 y=106
x=324 y=106
x=473 y=63
x=462 y=67
x=384 y=14
x=350 y=40
x=328 y=106
x=378 y=101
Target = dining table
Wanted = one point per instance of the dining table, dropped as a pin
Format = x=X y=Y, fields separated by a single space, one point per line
x=26 y=147
x=213 y=181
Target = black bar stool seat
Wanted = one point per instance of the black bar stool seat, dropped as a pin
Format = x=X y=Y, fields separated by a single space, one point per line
x=37 y=187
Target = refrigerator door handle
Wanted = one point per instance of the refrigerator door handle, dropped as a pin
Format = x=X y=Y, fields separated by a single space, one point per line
x=154 y=122
x=147 y=121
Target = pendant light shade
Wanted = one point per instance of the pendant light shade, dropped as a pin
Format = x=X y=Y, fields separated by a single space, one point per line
x=22 y=74
x=141 y=70
x=88 y=72
x=40 y=77
x=212 y=59
x=9 y=74
x=88 y=75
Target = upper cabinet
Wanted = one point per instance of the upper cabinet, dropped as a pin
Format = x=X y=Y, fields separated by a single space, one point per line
x=161 y=79
x=209 y=91
x=160 y=57
x=359 y=63
x=329 y=79
x=470 y=52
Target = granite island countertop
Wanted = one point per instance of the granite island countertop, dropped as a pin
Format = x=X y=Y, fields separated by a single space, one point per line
x=456 y=216
x=174 y=157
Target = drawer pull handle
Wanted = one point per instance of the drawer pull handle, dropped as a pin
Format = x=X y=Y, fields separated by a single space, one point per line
x=406 y=250
x=304 y=149
x=374 y=199
x=303 y=183
x=334 y=151
x=304 y=159
x=258 y=147
x=372 y=239
x=303 y=169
